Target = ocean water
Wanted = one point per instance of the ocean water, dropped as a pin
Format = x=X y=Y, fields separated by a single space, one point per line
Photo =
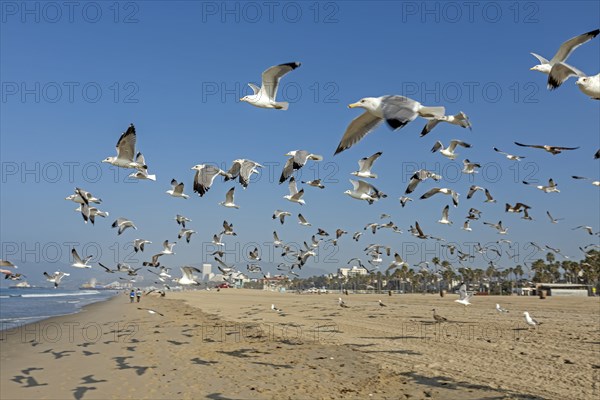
x=24 y=306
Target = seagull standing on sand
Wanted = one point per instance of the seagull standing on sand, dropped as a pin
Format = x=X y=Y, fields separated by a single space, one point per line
x=126 y=151
x=264 y=97
x=279 y=310
x=342 y=303
x=530 y=321
x=396 y=111
x=438 y=318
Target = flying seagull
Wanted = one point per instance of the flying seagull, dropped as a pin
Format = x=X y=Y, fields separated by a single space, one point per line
x=187 y=233
x=143 y=172
x=459 y=119
x=501 y=230
x=126 y=151
x=445 y=220
x=295 y=196
x=464 y=297
x=228 y=229
x=315 y=183
x=181 y=220
x=550 y=188
x=364 y=166
x=229 y=203
x=449 y=151
x=281 y=215
x=56 y=277
x=205 y=176
x=302 y=221
x=554 y=150
x=469 y=167
x=7 y=264
x=122 y=224
x=362 y=190
x=90 y=213
x=83 y=197
x=552 y=219
x=509 y=156
x=446 y=191
x=595 y=183
x=138 y=244
x=264 y=97
x=78 y=262
x=243 y=169
x=418 y=177
x=177 y=189
x=187 y=276
x=564 y=51
x=297 y=160
x=396 y=111
x=404 y=200
x=589 y=85
x=168 y=248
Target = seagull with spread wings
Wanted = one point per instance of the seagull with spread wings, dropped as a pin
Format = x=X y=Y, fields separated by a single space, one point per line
x=264 y=97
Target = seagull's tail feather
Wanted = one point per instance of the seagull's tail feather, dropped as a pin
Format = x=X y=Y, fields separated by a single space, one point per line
x=282 y=105
x=432 y=111
x=152 y=177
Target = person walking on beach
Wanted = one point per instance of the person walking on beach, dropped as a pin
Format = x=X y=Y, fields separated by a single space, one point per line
x=131 y=295
x=139 y=295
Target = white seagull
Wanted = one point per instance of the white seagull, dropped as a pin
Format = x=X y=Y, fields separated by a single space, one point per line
x=464 y=297
x=177 y=189
x=444 y=219
x=168 y=247
x=138 y=244
x=295 y=196
x=229 y=203
x=243 y=169
x=205 y=176
x=446 y=191
x=187 y=276
x=187 y=233
x=530 y=321
x=142 y=173
x=126 y=151
x=181 y=220
x=281 y=215
x=449 y=151
x=362 y=190
x=396 y=111
x=297 y=160
x=302 y=221
x=509 y=156
x=564 y=51
x=78 y=262
x=56 y=277
x=264 y=97
x=459 y=119
x=550 y=188
x=500 y=309
x=122 y=224
x=364 y=166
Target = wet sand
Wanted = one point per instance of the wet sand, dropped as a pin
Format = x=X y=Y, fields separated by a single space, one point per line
x=231 y=345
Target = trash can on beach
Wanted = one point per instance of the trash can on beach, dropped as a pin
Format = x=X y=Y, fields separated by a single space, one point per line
x=542 y=294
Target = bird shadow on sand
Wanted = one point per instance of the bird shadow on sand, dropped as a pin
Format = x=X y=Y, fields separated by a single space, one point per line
x=122 y=364
x=406 y=352
x=219 y=396
x=449 y=383
x=276 y=366
x=242 y=353
x=80 y=391
x=27 y=381
x=176 y=343
x=198 y=361
x=58 y=354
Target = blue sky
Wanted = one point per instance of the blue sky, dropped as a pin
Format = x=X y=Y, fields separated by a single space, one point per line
x=72 y=81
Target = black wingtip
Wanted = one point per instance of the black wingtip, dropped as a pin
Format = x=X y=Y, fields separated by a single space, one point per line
x=395 y=124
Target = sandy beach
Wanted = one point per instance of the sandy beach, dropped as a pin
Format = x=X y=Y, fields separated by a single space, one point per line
x=231 y=345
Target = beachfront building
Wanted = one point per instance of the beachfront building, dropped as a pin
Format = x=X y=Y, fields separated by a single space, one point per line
x=275 y=282
x=206 y=272
x=239 y=278
x=564 y=289
x=352 y=272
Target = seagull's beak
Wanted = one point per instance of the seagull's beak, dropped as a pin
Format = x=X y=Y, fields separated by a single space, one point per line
x=353 y=105
x=532 y=69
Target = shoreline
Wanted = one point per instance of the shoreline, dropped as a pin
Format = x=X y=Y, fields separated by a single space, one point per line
x=231 y=345
x=76 y=310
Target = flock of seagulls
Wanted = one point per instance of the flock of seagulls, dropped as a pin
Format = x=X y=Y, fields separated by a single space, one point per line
x=396 y=111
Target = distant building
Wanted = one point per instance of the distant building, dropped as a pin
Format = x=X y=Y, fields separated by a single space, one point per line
x=206 y=271
x=351 y=272
x=564 y=289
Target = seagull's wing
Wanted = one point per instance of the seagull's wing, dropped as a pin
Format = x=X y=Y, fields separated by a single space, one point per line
x=292 y=186
x=445 y=212
x=430 y=193
x=488 y=195
x=288 y=170
x=204 y=179
x=366 y=163
x=399 y=110
x=535 y=146
x=76 y=256
x=454 y=143
x=438 y=145
x=429 y=126
x=358 y=128
x=272 y=76
x=126 y=144
x=255 y=89
x=234 y=171
x=565 y=49
x=462 y=291
x=363 y=187
x=541 y=59
x=560 y=72
x=229 y=195
x=418 y=228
